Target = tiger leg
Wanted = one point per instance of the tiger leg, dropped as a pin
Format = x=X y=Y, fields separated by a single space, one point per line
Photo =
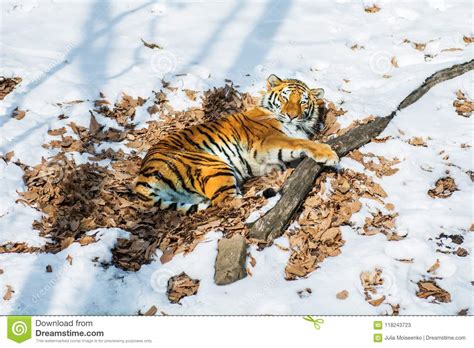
x=218 y=183
x=166 y=180
x=277 y=149
x=185 y=181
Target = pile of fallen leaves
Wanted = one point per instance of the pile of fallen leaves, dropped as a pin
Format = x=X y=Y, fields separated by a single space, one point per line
x=225 y=101
x=463 y=105
x=380 y=165
x=8 y=84
x=371 y=281
x=444 y=188
x=324 y=212
x=429 y=288
x=451 y=244
x=77 y=198
x=381 y=223
x=181 y=286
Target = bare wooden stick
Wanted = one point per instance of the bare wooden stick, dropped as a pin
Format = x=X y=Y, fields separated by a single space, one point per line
x=297 y=186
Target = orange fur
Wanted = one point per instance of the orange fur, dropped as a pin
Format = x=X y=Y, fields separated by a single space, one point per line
x=205 y=164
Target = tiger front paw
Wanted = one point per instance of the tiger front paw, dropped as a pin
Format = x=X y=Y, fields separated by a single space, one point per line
x=325 y=155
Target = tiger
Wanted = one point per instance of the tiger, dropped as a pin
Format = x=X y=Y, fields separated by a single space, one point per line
x=206 y=164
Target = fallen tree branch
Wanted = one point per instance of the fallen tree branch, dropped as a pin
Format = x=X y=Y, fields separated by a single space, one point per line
x=299 y=184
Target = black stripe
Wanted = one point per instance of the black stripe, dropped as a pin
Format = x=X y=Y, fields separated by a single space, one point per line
x=208 y=147
x=265 y=125
x=174 y=141
x=142 y=183
x=280 y=155
x=235 y=132
x=143 y=197
x=160 y=176
x=188 y=138
x=175 y=171
x=206 y=179
x=221 y=190
x=192 y=209
x=243 y=125
x=221 y=150
x=225 y=144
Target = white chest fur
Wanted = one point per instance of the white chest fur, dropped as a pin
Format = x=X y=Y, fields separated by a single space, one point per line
x=293 y=131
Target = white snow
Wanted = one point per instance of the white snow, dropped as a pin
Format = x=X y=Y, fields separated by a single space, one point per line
x=70 y=50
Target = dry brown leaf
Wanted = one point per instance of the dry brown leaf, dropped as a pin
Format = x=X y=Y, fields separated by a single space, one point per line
x=18 y=114
x=342 y=295
x=8 y=156
x=151 y=311
x=330 y=234
x=434 y=267
x=461 y=252
x=191 y=94
x=67 y=242
x=416 y=45
x=86 y=240
x=252 y=261
x=417 y=141
x=430 y=288
x=444 y=188
x=419 y=46
x=372 y=9
x=377 y=302
x=394 y=62
x=151 y=45
x=167 y=256
x=7 y=85
x=371 y=280
x=463 y=105
x=452 y=49
x=69 y=259
x=8 y=294
x=181 y=286
x=357 y=47
x=468 y=39
x=405 y=260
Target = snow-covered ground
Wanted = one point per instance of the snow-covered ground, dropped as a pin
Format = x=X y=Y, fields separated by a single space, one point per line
x=69 y=50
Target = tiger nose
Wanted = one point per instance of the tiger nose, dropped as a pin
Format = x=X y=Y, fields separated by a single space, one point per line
x=292 y=113
x=293 y=108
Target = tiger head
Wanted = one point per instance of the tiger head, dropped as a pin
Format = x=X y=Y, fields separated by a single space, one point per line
x=293 y=102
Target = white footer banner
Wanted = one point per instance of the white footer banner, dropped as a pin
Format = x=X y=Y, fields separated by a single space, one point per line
x=235 y=331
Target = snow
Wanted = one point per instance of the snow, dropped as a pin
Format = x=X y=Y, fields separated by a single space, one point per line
x=70 y=50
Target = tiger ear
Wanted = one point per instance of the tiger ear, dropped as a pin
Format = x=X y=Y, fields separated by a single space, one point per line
x=317 y=92
x=273 y=81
